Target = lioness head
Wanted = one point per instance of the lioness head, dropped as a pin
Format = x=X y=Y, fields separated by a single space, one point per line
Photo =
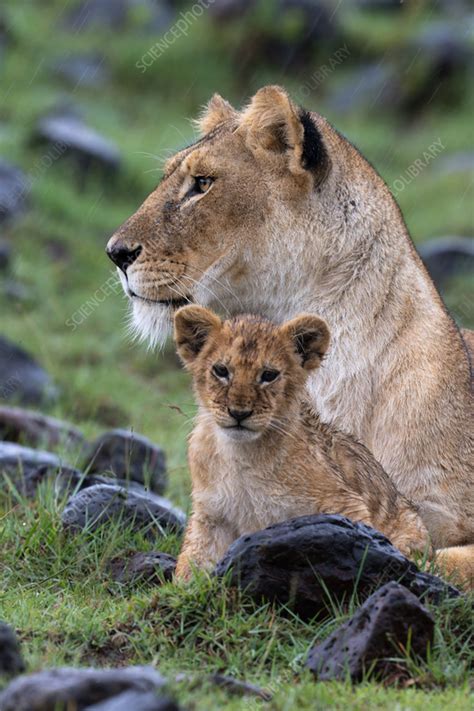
x=217 y=225
x=249 y=373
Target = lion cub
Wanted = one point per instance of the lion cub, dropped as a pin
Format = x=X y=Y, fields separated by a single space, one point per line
x=259 y=453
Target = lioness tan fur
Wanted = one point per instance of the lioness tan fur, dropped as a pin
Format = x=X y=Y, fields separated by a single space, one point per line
x=259 y=454
x=273 y=212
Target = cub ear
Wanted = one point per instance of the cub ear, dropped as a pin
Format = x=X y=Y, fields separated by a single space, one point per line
x=215 y=112
x=310 y=338
x=272 y=123
x=192 y=326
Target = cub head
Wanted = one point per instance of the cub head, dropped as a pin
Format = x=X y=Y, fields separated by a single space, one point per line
x=219 y=218
x=248 y=373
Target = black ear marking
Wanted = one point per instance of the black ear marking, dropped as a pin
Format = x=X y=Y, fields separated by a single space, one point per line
x=303 y=342
x=314 y=155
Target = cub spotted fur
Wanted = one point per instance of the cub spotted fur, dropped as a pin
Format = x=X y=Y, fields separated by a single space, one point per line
x=259 y=453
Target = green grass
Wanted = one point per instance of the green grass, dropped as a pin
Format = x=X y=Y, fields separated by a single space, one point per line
x=57 y=591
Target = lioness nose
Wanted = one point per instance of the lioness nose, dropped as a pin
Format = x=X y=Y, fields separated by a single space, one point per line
x=122 y=256
x=239 y=415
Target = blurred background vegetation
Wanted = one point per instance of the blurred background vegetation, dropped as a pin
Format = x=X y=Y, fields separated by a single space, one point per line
x=95 y=94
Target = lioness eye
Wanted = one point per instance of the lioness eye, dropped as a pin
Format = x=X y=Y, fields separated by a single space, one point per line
x=220 y=370
x=202 y=184
x=268 y=376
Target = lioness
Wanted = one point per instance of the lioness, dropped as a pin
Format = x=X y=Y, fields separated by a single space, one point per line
x=259 y=454
x=273 y=212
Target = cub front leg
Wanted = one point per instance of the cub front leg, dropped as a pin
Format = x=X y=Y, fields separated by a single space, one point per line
x=205 y=542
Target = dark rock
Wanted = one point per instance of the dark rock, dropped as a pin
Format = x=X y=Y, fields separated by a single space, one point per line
x=5 y=255
x=34 y=429
x=66 y=688
x=239 y=688
x=11 y=661
x=135 y=701
x=446 y=257
x=308 y=562
x=82 y=69
x=68 y=135
x=16 y=291
x=371 y=86
x=14 y=188
x=460 y=162
x=26 y=468
x=128 y=455
x=21 y=377
x=103 y=503
x=390 y=622
x=436 y=63
x=118 y=14
x=151 y=567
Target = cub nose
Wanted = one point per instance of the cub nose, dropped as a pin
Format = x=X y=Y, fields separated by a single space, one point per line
x=239 y=415
x=122 y=256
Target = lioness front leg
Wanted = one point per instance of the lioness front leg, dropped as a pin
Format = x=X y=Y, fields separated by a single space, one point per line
x=205 y=542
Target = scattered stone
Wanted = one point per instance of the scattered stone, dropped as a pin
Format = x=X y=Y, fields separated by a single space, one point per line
x=371 y=86
x=34 y=429
x=5 y=255
x=11 y=661
x=67 y=688
x=13 y=191
x=460 y=162
x=308 y=562
x=390 y=622
x=118 y=14
x=445 y=257
x=67 y=134
x=88 y=70
x=104 y=503
x=16 y=291
x=154 y=567
x=26 y=468
x=21 y=377
x=129 y=456
x=135 y=701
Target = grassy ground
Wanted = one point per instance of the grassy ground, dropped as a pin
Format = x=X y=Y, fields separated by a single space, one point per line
x=57 y=593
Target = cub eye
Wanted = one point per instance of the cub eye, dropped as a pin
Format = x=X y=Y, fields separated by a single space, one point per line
x=268 y=376
x=202 y=183
x=220 y=371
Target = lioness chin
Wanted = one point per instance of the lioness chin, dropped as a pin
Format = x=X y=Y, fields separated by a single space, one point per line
x=273 y=212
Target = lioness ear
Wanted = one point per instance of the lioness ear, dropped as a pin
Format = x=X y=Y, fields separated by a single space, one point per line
x=215 y=112
x=271 y=122
x=310 y=338
x=192 y=326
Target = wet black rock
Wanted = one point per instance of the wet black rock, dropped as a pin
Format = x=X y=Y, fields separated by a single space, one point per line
x=390 y=622
x=14 y=188
x=5 y=255
x=373 y=86
x=22 y=379
x=66 y=688
x=37 y=430
x=11 y=661
x=130 y=456
x=153 y=567
x=135 y=701
x=307 y=562
x=66 y=134
x=27 y=468
x=153 y=15
x=103 y=503
x=446 y=257
x=88 y=70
